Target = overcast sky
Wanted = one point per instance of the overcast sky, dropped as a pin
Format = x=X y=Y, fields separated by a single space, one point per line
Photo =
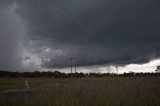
x=44 y=34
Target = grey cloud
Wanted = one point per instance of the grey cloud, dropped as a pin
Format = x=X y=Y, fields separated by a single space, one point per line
x=97 y=31
x=11 y=36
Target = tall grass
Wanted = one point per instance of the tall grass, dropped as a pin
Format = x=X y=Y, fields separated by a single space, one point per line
x=109 y=91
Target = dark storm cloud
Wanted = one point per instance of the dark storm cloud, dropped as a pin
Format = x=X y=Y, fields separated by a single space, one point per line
x=96 y=31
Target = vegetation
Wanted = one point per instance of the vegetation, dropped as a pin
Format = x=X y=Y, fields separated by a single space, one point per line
x=95 y=91
x=57 y=74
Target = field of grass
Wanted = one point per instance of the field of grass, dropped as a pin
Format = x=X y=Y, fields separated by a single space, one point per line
x=108 y=91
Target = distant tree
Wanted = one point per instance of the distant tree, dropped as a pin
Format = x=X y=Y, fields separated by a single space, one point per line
x=158 y=69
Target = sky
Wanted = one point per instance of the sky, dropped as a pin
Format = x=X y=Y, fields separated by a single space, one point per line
x=103 y=34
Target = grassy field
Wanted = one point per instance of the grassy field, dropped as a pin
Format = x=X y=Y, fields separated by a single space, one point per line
x=108 y=91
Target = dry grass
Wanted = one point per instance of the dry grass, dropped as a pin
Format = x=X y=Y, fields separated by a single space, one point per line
x=109 y=91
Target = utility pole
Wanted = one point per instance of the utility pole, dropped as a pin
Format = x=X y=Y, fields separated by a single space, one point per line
x=117 y=70
x=75 y=60
x=71 y=59
x=73 y=63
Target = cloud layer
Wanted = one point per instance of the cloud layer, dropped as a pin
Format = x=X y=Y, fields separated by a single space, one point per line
x=98 y=32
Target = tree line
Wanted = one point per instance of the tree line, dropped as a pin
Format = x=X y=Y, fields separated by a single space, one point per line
x=57 y=74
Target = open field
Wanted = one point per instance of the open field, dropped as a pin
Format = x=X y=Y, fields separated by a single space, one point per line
x=108 y=91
